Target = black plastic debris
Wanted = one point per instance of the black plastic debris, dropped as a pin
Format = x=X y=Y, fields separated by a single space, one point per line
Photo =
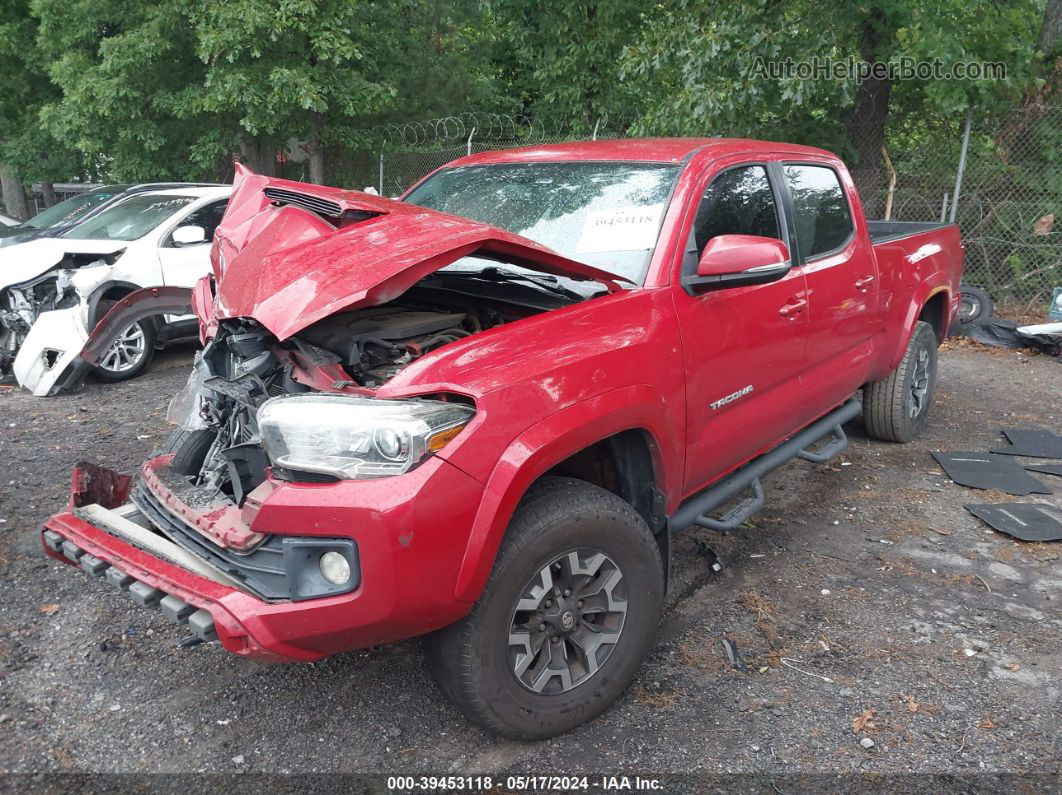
x=734 y=656
x=1032 y=442
x=706 y=552
x=989 y=471
x=1002 y=333
x=1047 y=469
x=1026 y=521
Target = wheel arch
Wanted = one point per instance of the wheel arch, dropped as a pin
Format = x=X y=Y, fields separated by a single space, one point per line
x=613 y=440
x=935 y=313
x=113 y=289
x=928 y=298
x=625 y=464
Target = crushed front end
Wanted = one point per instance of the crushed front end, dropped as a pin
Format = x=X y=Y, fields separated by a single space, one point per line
x=290 y=563
x=21 y=304
x=296 y=512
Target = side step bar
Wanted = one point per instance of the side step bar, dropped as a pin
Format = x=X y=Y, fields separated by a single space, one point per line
x=694 y=510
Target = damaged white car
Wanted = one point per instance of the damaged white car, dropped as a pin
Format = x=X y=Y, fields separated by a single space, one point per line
x=54 y=291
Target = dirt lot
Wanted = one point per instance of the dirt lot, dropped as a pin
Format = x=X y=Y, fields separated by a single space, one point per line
x=865 y=596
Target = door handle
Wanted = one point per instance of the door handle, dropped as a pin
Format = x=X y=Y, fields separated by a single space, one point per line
x=864 y=283
x=794 y=308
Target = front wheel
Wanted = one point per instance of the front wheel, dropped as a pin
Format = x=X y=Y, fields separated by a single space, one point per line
x=565 y=621
x=130 y=353
x=896 y=408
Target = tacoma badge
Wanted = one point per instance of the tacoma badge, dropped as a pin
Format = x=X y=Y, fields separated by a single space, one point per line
x=717 y=404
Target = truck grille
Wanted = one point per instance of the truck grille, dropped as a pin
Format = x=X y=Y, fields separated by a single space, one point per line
x=261 y=571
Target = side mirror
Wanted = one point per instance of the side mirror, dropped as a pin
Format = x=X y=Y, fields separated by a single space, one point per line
x=739 y=261
x=189 y=236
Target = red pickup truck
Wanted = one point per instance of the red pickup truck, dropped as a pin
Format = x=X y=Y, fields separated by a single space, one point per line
x=479 y=414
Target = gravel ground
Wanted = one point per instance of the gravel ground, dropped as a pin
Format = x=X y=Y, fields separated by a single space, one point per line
x=866 y=602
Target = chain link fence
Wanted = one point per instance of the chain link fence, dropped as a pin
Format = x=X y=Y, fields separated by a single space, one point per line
x=1010 y=196
x=403 y=153
x=1010 y=202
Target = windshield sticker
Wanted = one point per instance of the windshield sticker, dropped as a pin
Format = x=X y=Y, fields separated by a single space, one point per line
x=163 y=204
x=624 y=229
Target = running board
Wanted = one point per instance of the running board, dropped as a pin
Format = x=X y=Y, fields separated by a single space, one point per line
x=695 y=510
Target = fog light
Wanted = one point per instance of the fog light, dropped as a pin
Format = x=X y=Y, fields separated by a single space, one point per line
x=334 y=568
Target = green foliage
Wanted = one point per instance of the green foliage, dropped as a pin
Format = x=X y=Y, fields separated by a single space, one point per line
x=125 y=69
x=174 y=88
x=171 y=89
x=26 y=88
x=562 y=60
x=272 y=64
x=694 y=59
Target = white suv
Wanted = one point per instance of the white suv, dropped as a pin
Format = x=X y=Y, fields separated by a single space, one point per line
x=53 y=291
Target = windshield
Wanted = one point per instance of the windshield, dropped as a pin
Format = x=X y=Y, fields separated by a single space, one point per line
x=605 y=214
x=68 y=211
x=130 y=219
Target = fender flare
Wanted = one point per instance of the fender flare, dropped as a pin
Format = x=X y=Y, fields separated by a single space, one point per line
x=543 y=446
x=139 y=305
x=914 y=311
x=93 y=300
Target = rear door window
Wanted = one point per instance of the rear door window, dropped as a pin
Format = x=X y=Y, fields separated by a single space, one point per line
x=820 y=209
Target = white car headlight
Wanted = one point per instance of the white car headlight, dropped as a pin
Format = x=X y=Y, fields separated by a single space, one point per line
x=353 y=437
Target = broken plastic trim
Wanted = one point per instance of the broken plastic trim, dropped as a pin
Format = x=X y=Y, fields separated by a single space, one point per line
x=92 y=484
x=137 y=306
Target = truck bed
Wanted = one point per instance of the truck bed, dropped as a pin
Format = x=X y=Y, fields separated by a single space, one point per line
x=883 y=231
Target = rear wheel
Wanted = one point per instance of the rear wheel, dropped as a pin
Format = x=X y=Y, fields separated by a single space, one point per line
x=566 y=618
x=896 y=408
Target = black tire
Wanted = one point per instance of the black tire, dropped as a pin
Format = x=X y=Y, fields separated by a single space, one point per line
x=472 y=661
x=975 y=306
x=892 y=410
x=189 y=449
x=121 y=371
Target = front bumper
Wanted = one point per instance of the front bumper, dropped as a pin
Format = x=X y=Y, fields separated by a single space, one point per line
x=51 y=347
x=411 y=537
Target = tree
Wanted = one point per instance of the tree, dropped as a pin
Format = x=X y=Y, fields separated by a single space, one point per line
x=695 y=61
x=301 y=69
x=442 y=61
x=1039 y=94
x=562 y=60
x=127 y=71
x=26 y=152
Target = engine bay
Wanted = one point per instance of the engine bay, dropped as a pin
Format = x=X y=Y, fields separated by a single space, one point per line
x=21 y=304
x=373 y=344
x=244 y=365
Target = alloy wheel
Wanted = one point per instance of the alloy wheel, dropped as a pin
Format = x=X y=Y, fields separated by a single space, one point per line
x=126 y=352
x=567 y=621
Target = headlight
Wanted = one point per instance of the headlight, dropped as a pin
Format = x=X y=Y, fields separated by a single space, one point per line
x=352 y=437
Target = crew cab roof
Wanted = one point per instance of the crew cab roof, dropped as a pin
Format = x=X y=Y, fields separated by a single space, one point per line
x=652 y=150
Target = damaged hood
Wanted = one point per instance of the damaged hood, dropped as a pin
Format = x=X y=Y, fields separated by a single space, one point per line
x=28 y=260
x=288 y=254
